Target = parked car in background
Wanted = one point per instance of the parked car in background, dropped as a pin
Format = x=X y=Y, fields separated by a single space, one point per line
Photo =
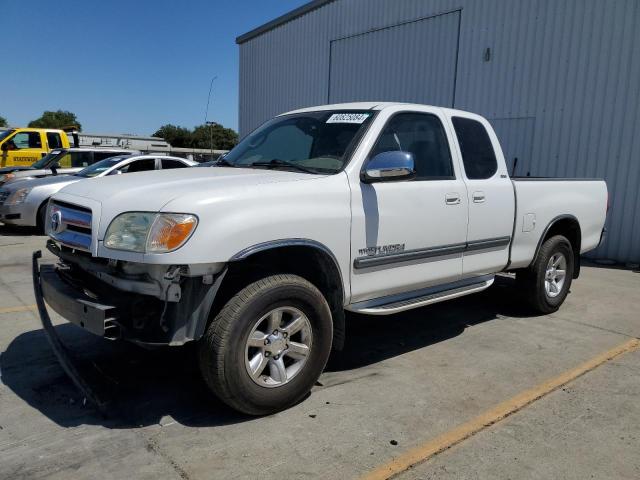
x=374 y=208
x=61 y=161
x=24 y=202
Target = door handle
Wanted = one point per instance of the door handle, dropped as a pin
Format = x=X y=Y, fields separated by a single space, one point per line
x=478 y=197
x=452 y=199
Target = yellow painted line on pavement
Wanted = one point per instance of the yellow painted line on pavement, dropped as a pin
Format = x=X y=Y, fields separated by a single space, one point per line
x=22 y=308
x=448 y=439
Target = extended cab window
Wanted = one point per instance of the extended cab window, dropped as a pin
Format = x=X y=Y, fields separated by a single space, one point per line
x=477 y=152
x=24 y=140
x=423 y=135
x=54 y=140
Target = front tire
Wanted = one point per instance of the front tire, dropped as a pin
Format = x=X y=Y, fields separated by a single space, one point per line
x=546 y=283
x=41 y=218
x=266 y=348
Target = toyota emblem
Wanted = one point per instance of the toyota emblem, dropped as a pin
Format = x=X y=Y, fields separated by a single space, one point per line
x=56 y=222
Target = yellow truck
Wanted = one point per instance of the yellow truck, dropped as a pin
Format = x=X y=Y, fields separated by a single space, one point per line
x=24 y=146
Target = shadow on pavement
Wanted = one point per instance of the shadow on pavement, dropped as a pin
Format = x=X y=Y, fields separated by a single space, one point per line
x=146 y=386
x=13 y=230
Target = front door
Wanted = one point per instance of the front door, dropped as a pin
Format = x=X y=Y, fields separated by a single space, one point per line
x=408 y=235
x=23 y=149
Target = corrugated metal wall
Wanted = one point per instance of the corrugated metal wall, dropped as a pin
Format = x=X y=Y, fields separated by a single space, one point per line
x=561 y=86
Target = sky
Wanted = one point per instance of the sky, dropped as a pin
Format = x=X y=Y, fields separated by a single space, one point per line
x=126 y=66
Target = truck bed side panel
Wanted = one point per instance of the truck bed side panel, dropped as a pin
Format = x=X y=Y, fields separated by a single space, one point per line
x=541 y=201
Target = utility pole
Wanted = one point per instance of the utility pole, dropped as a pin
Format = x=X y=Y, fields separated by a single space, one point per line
x=211 y=124
x=206 y=115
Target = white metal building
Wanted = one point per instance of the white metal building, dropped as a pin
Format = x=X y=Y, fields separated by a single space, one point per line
x=558 y=79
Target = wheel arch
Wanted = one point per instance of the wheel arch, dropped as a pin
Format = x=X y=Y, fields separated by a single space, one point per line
x=39 y=223
x=568 y=226
x=307 y=258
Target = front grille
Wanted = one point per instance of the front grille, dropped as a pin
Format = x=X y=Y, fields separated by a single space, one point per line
x=4 y=194
x=70 y=225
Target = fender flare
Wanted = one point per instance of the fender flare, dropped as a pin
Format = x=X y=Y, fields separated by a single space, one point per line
x=337 y=313
x=289 y=242
x=576 y=254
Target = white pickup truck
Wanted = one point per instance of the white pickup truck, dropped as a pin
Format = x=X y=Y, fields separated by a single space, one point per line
x=374 y=208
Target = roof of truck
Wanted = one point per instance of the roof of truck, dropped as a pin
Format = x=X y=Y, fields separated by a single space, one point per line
x=368 y=106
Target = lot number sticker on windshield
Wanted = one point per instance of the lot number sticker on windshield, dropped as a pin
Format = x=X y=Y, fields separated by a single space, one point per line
x=348 y=117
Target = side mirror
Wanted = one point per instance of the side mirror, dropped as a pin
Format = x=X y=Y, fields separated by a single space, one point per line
x=5 y=147
x=389 y=166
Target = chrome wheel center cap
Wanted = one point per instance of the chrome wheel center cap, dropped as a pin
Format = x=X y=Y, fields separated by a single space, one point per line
x=277 y=343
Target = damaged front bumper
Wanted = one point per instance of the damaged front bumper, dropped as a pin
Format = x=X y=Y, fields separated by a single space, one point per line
x=100 y=298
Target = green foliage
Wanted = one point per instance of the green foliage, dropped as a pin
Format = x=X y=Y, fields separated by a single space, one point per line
x=3 y=122
x=58 y=119
x=203 y=136
x=176 y=136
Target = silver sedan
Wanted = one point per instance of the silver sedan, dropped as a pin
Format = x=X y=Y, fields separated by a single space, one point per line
x=24 y=202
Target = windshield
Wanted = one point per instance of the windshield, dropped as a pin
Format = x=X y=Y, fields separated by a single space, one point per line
x=5 y=134
x=47 y=159
x=315 y=142
x=99 y=167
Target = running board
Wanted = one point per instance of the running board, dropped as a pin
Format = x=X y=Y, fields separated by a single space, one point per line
x=420 y=298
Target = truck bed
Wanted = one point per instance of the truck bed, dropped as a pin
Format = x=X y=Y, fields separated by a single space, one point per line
x=540 y=201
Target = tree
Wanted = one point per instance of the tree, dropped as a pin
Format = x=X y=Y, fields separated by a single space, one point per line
x=3 y=122
x=58 y=119
x=176 y=136
x=223 y=138
x=203 y=136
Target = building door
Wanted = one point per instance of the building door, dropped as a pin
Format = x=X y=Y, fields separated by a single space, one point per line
x=516 y=139
x=411 y=62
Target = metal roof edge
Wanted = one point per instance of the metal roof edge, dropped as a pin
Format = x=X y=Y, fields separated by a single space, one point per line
x=282 y=19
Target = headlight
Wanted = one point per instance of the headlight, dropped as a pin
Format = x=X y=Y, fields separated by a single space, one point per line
x=150 y=232
x=17 y=196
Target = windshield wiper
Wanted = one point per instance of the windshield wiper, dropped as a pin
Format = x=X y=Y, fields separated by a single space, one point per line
x=275 y=163
x=222 y=162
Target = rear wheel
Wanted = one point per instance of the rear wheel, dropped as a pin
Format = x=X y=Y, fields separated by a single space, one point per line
x=267 y=347
x=546 y=283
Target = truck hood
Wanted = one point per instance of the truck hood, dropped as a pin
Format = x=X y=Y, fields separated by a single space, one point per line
x=150 y=191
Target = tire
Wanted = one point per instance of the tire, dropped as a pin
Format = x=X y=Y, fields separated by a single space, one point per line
x=224 y=352
x=41 y=218
x=541 y=296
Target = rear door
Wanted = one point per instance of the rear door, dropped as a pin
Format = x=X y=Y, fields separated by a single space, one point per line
x=490 y=196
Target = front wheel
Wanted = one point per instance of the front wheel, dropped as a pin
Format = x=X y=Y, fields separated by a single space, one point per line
x=546 y=283
x=268 y=345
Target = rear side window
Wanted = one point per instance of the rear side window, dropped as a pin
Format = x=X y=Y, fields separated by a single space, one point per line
x=422 y=135
x=167 y=163
x=477 y=152
x=54 y=140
